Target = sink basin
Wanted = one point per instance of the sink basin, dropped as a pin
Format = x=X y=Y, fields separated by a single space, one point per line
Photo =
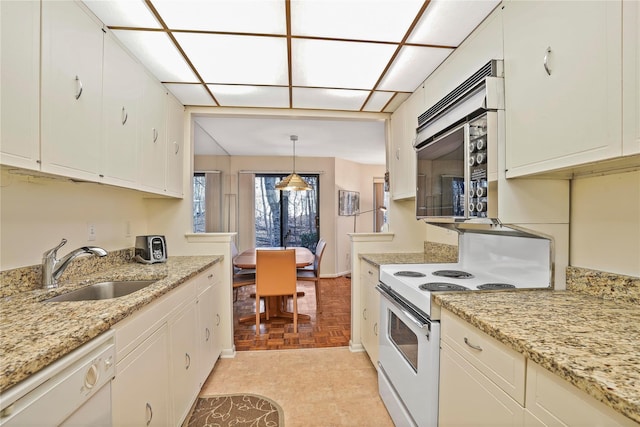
x=103 y=290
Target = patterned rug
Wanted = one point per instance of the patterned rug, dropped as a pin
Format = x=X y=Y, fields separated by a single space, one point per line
x=236 y=410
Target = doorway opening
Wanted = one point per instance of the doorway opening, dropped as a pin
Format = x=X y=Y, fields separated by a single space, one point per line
x=286 y=218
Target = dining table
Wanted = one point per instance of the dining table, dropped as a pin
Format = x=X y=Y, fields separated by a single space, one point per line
x=247 y=259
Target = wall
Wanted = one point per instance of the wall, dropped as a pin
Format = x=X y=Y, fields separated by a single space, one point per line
x=36 y=213
x=605 y=223
x=353 y=177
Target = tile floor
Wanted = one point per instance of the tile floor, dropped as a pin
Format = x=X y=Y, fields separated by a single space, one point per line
x=315 y=387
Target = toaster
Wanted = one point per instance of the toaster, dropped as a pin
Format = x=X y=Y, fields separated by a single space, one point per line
x=150 y=249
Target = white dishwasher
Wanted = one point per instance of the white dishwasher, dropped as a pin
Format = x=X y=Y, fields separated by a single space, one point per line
x=73 y=391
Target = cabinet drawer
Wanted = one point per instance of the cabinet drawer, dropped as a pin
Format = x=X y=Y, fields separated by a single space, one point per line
x=555 y=402
x=504 y=366
x=207 y=278
x=135 y=329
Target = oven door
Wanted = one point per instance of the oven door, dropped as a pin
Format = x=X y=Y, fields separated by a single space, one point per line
x=409 y=361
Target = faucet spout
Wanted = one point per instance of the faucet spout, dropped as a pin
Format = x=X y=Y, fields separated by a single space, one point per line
x=52 y=268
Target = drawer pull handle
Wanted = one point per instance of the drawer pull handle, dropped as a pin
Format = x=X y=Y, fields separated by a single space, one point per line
x=217 y=319
x=207 y=334
x=187 y=361
x=473 y=346
x=124 y=116
x=78 y=87
x=364 y=314
x=375 y=329
x=149 y=413
x=546 y=60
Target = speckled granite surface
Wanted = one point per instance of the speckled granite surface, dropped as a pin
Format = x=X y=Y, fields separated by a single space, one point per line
x=34 y=333
x=605 y=285
x=591 y=342
x=433 y=253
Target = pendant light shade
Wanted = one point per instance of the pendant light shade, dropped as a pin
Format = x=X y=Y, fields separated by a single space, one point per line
x=293 y=182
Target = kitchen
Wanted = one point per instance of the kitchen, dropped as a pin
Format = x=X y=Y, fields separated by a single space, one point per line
x=601 y=231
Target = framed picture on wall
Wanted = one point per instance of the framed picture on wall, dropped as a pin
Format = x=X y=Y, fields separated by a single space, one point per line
x=348 y=202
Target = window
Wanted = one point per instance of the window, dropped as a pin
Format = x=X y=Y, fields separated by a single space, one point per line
x=286 y=218
x=207 y=206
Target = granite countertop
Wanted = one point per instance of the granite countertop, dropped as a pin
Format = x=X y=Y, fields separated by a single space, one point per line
x=33 y=333
x=591 y=342
x=396 y=258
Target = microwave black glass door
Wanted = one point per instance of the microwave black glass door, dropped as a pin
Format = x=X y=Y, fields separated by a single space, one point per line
x=441 y=180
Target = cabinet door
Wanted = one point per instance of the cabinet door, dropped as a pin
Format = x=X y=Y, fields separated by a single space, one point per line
x=463 y=386
x=631 y=78
x=221 y=306
x=20 y=96
x=140 y=390
x=370 y=310
x=398 y=176
x=153 y=136
x=71 y=91
x=205 y=333
x=570 y=114
x=184 y=362
x=121 y=111
x=175 y=146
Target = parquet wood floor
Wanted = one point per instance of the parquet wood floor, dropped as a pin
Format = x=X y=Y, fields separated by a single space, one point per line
x=329 y=328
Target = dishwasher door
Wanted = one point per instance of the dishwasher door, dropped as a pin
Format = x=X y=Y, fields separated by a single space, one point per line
x=73 y=391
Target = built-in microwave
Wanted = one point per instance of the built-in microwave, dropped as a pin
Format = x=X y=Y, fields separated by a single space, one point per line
x=456 y=150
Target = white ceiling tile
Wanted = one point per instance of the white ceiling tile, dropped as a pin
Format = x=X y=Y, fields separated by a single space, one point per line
x=449 y=22
x=411 y=66
x=321 y=63
x=191 y=94
x=361 y=20
x=396 y=102
x=223 y=59
x=330 y=99
x=123 y=13
x=156 y=51
x=251 y=96
x=239 y=16
x=377 y=101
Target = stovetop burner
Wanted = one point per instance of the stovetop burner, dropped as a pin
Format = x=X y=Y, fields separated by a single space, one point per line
x=453 y=274
x=406 y=273
x=442 y=286
x=495 y=286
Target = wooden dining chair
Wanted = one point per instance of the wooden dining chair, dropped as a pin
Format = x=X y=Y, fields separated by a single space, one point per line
x=275 y=276
x=311 y=273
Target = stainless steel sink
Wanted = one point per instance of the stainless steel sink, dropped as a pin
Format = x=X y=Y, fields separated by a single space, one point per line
x=103 y=290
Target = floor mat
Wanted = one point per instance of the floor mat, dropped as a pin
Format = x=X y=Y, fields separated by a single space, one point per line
x=236 y=410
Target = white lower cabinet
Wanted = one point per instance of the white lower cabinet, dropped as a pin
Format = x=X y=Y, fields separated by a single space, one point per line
x=469 y=398
x=485 y=383
x=551 y=401
x=164 y=353
x=370 y=303
x=140 y=390
x=482 y=374
x=184 y=362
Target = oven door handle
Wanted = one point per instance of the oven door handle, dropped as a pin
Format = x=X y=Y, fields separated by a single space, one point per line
x=405 y=309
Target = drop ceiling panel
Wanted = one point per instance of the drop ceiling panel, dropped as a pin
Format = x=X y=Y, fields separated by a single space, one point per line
x=410 y=67
x=238 y=16
x=251 y=96
x=190 y=94
x=156 y=51
x=334 y=64
x=328 y=99
x=377 y=101
x=123 y=13
x=357 y=20
x=448 y=23
x=231 y=59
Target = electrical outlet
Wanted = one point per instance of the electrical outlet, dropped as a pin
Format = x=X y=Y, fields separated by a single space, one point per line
x=91 y=232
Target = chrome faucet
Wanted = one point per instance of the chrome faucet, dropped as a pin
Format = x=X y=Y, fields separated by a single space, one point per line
x=52 y=268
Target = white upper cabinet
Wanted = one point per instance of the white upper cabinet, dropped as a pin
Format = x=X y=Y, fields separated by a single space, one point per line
x=153 y=136
x=630 y=77
x=175 y=146
x=121 y=114
x=20 y=77
x=71 y=91
x=563 y=62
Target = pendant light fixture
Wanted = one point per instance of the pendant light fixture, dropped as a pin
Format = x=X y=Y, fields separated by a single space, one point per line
x=293 y=182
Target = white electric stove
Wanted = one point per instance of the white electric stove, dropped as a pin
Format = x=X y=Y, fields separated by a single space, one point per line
x=409 y=333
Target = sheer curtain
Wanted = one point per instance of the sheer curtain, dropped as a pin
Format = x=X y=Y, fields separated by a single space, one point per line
x=246 y=210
